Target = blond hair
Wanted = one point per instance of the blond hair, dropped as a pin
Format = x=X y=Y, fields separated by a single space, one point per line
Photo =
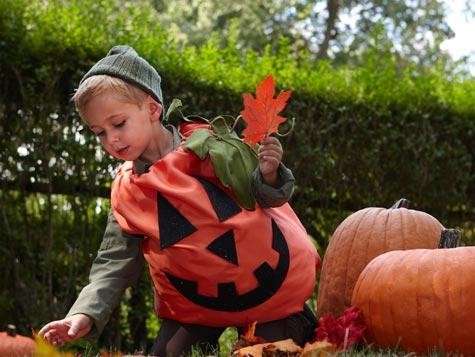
x=99 y=84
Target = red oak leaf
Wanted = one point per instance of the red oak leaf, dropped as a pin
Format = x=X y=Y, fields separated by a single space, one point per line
x=261 y=113
x=344 y=331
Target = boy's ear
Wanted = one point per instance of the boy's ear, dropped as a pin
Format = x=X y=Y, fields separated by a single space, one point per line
x=155 y=109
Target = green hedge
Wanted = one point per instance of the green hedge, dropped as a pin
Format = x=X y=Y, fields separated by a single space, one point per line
x=363 y=136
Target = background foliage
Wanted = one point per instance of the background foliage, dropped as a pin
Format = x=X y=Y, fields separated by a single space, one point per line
x=380 y=127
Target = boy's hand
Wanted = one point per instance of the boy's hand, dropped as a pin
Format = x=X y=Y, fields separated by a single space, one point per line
x=270 y=155
x=65 y=330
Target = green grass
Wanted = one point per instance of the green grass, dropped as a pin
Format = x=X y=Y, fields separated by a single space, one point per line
x=229 y=337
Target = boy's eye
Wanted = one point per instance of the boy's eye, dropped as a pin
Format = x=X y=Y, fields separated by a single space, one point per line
x=100 y=133
x=120 y=124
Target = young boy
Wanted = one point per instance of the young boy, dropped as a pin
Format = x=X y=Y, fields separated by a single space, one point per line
x=212 y=263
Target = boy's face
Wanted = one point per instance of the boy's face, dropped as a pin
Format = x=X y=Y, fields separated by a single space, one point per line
x=125 y=130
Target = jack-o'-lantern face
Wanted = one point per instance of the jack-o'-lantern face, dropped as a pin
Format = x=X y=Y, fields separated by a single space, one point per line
x=174 y=227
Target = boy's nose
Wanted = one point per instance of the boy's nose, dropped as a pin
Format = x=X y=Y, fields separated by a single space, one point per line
x=114 y=139
x=114 y=142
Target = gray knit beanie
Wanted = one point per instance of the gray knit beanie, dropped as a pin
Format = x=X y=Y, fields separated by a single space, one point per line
x=123 y=62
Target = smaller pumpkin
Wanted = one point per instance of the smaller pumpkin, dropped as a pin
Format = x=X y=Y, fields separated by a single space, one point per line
x=14 y=345
x=420 y=300
x=363 y=236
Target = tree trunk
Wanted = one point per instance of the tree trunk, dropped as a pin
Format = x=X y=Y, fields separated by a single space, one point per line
x=333 y=7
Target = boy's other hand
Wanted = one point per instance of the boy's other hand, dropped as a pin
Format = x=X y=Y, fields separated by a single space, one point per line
x=270 y=155
x=65 y=330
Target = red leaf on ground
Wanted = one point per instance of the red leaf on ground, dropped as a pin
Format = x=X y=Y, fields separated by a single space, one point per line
x=261 y=113
x=344 y=331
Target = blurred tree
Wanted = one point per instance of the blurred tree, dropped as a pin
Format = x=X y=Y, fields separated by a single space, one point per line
x=336 y=29
x=256 y=23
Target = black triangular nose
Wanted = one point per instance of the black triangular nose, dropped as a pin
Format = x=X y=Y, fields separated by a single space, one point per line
x=225 y=247
x=172 y=224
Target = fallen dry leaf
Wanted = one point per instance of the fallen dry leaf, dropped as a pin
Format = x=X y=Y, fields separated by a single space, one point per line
x=278 y=348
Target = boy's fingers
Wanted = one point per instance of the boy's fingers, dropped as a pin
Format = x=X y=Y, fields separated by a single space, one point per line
x=266 y=150
x=271 y=160
x=43 y=330
x=79 y=328
x=49 y=326
x=271 y=139
x=73 y=331
x=58 y=342
x=50 y=336
x=276 y=146
x=47 y=336
x=270 y=153
x=274 y=152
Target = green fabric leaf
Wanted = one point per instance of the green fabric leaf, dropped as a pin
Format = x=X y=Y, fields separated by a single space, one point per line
x=198 y=142
x=234 y=162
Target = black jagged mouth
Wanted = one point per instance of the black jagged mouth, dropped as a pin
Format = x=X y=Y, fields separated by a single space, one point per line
x=269 y=281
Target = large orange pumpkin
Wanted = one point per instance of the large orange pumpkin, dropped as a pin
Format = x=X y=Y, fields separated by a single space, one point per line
x=363 y=236
x=420 y=299
x=13 y=345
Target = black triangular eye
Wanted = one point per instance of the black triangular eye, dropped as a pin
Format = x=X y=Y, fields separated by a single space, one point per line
x=224 y=206
x=173 y=225
x=225 y=247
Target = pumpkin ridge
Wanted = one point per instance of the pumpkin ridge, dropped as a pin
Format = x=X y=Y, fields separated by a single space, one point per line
x=422 y=231
x=403 y=232
x=415 y=228
x=328 y=265
x=368 y=242
x=389 y=266
x=373 y=308
x=421 y=331
x=386 y=270
x=385 y=239
x=347 y=299
x=449 y=300
x=434 y=306
x=445 y=311
x=378 y=250
x=391 y=307
x=370 y=315
x=435 y=225
x=418 y=335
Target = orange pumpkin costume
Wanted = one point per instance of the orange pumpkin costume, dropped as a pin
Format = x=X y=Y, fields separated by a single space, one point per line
x=213 y=263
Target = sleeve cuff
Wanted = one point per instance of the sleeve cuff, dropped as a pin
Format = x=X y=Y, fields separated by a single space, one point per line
x=273 y=196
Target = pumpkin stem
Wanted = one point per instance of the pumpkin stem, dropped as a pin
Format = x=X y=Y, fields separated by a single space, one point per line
x=11 y=330
x=401 y=203
x=450 y=238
